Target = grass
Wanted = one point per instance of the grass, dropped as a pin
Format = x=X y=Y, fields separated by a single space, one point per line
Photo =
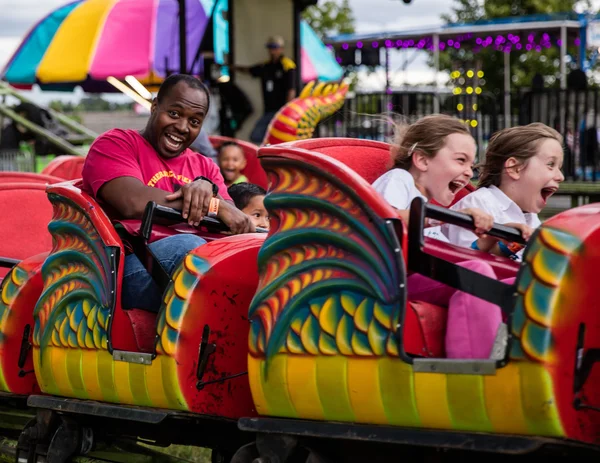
x=185 y=452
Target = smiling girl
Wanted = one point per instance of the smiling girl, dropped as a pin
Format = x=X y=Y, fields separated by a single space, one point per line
x=433 y=158
x=522 y=170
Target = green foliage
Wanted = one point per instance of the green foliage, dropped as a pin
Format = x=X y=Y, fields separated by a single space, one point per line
x=185 y=453
x=330 y=17
x=90 y=103
x=524 y=65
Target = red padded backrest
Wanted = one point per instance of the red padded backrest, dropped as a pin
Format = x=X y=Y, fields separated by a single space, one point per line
x=66 y=167
x=27 y=177
x=25 y=212
x=370 y=159
x=253 y=170
x=424 y=330
x=144 y=328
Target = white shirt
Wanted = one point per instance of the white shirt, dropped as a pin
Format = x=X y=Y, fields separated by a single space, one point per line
x=398 y=188
x=493 y=201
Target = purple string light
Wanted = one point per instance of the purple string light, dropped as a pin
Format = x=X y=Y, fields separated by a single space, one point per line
x=499 y=42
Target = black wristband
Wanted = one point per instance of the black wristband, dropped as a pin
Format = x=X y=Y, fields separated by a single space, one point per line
x=215 y=188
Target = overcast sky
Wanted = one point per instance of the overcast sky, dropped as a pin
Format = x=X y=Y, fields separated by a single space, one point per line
x=18 y=16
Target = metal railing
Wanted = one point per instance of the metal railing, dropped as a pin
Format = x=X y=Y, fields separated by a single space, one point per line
x=16 y=161
x=574 y=114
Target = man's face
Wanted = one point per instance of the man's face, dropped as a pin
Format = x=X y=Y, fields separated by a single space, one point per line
x=176 y=121
x=275 y=52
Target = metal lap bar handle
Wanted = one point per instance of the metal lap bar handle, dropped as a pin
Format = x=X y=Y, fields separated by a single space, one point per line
x=7 y=262
x=466 y=221
x=155 y=210
x=451 y=274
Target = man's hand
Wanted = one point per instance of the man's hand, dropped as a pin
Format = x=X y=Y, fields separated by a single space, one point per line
x=236 y=220
x=196 y=200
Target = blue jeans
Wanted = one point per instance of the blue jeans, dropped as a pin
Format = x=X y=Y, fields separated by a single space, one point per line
x=140 y=291
x=260 y=129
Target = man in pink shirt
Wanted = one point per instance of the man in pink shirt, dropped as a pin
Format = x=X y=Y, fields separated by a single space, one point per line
x=125 y=169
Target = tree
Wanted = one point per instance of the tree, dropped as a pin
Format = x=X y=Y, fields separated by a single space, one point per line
x=330 y=17
x=524 y=64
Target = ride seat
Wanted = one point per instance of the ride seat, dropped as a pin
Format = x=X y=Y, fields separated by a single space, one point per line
x=253 y=169
x=348 y=171
x=24 y=228
x=66 y=167
x=368 y=158
x=341 y=160
x=131 y=330
x=28 y=177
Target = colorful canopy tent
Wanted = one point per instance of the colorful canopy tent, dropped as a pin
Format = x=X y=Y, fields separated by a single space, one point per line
x=87 y=42
x=318 y=62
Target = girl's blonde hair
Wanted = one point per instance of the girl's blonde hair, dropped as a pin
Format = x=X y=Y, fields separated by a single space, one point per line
x=520 y=143
x=427 y=135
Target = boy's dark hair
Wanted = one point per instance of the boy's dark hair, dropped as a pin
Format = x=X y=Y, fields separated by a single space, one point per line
x=226 y=144
x=242 y=193
x=174 y=79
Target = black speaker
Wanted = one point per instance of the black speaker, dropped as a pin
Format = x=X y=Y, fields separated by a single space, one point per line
x=370 y=57
x=348 y=57
x=303 y=4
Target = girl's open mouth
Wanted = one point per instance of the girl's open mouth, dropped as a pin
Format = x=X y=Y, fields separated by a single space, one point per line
x=547 y=192
x=455 y=186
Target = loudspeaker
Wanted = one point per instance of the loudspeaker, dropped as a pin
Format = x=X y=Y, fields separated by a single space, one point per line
x=303 y=4
x=348 y=57
x=370 y=57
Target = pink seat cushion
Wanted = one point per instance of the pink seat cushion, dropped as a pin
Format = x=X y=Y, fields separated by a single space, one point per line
x=144 y=328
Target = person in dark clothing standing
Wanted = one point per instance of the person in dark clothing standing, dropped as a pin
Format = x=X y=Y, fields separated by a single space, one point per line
x=278 y=79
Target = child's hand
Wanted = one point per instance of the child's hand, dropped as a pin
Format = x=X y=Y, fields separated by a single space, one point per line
x=526 y=230
x=482 y=220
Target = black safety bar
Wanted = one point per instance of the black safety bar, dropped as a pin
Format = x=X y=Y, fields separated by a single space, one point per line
x=7 y=262
x=466 y=221
x=446 y=272
x=154 y=210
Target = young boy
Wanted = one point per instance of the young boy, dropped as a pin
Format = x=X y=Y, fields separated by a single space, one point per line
x=232 y=161
x=249 y=198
